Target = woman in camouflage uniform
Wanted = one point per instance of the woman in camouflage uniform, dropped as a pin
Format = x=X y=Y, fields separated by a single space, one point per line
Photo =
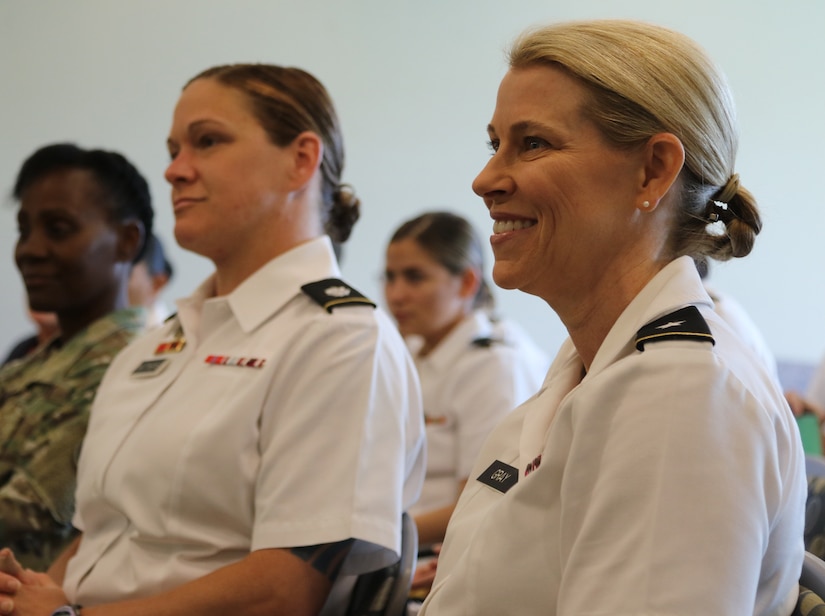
x=83 y=219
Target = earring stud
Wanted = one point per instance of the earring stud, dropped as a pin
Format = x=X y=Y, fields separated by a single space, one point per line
x=645 y=205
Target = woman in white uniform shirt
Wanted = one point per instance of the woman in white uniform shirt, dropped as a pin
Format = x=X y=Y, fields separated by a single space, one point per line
x=473 y=369
x=270 y=436
x=659 y=470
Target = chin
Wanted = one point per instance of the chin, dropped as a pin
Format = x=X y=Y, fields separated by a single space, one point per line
x=188 y=239
x=406 y=331
x=505 y=277
x=39 y=304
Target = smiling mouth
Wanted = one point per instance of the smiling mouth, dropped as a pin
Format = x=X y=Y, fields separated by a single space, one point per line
x=505 y=226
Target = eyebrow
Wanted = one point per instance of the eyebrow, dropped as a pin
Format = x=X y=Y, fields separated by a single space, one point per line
x=48 y=210
x=527 y=126
x=522 y=127
x=193 y=126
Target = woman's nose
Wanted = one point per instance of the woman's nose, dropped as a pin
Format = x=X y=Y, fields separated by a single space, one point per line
x=393 y=291
x=30 y=245
x=493 y=180
x=179 y=169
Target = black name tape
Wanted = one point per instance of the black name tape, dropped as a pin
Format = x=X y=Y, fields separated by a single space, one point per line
x=499 y=476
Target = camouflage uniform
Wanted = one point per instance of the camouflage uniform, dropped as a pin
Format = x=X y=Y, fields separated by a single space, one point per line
x=44 y=408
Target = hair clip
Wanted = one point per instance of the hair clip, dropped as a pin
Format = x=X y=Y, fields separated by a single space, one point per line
x=713 y=214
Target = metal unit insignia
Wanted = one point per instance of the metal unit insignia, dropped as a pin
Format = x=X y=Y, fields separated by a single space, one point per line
x=173 y=346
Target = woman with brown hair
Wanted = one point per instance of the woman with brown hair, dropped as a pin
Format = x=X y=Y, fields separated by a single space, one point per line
x=257 y=449
x=474 y=367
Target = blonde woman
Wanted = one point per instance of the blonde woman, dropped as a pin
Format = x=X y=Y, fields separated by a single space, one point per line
x=659 y=470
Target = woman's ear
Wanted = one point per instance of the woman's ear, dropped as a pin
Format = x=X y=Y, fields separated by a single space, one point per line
x=308 y=151
x=131 y=236
x=470 y=282
x=664 y=157
x=159 y=281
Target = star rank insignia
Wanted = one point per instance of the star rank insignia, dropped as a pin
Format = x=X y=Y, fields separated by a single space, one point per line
x=684 y=324
x=486 y=342
x=332 y=293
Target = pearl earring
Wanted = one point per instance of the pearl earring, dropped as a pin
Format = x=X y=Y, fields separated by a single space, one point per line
x=645 y=205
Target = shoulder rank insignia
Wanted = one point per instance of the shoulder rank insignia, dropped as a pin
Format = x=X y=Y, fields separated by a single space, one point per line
x=486 y=342
x=685 y=324
x=332 y=293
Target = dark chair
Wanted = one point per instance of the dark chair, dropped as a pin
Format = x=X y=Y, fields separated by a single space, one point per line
x=384 y=592
x=811 y=587
x=813 y=574
x=815 y=516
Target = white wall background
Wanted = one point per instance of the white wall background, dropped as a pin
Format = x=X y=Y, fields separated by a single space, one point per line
x=414 y=82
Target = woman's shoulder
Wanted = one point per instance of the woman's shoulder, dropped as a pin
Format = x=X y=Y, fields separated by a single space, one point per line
x=333 y=295
x=332 y=310
x=697 y=367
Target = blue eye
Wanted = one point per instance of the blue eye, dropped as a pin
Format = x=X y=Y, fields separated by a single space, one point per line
x=534 y=143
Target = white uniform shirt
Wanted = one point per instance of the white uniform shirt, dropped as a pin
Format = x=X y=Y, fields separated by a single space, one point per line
x=478 y=373
x=315 y=435
x=669 y=481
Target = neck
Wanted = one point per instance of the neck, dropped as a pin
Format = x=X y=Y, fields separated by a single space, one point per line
x=46 y=334
x=291 y=224
x=73 y=322
x=431 y=341
x=589 y=319
x=230 y=273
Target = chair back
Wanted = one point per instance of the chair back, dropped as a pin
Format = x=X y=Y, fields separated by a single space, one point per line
x=814 y=534
x=384 y=592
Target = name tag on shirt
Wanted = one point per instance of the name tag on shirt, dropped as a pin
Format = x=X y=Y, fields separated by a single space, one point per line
x=499 y=476
x=151 y=367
